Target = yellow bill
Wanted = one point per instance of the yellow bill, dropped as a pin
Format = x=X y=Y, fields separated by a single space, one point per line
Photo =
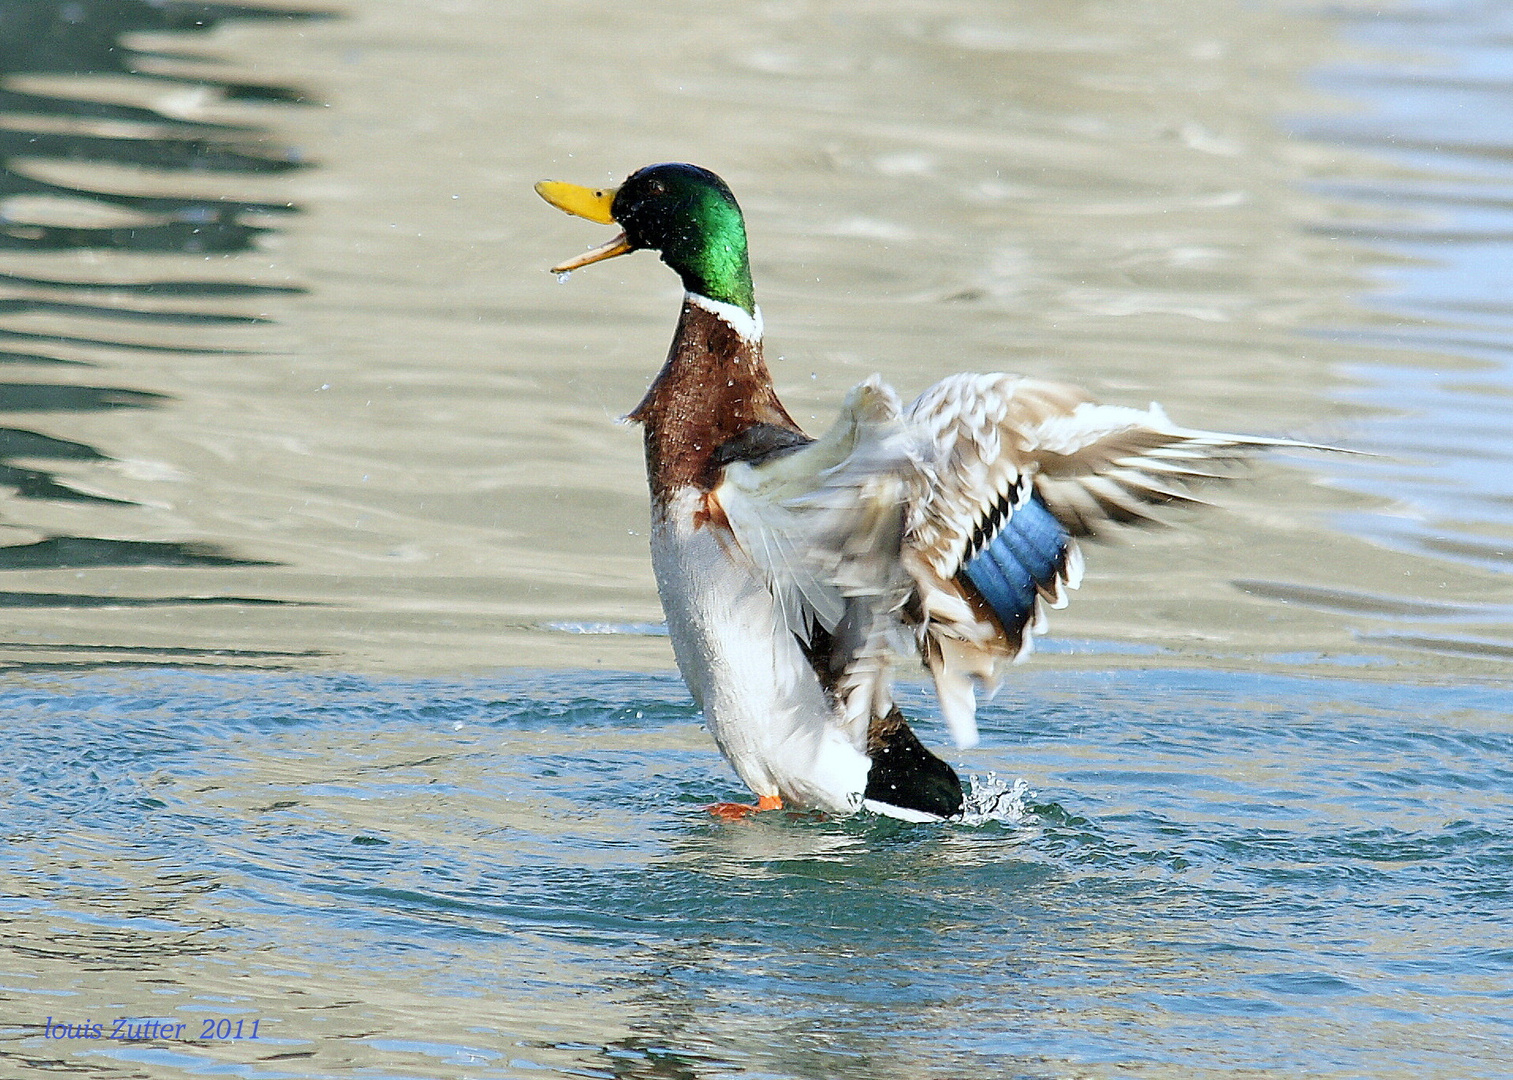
x=591 y=203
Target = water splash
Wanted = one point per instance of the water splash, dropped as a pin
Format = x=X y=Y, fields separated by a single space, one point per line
x=991 y=798
x=563 y=275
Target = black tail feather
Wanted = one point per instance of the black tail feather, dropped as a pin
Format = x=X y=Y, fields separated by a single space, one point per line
x=906 y=775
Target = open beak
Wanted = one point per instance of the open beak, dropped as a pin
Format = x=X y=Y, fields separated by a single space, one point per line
x=591 y=203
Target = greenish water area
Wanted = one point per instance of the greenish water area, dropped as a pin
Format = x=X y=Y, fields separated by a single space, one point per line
x=1161 y=873
x=340 y=730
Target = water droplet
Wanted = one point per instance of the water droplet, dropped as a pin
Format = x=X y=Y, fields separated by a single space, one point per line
x=562 y=277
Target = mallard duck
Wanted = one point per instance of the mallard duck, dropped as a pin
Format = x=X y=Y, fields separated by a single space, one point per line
x=797 y=572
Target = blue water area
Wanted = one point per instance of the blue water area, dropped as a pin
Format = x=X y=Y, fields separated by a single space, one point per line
x=1164 y=873
x=1429 y=110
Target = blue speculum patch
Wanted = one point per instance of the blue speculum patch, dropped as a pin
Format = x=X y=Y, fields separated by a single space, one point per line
x=1027 y=552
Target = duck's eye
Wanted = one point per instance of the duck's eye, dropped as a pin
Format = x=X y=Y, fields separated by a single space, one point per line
x=656 y=187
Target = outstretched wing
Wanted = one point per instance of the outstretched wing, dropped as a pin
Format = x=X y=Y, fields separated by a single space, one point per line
x=1019 y=468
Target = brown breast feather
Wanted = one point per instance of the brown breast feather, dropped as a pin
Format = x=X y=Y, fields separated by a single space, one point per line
x=713 y=387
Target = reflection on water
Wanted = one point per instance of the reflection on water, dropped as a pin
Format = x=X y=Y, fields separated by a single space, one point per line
x=417 y=460
x=79 y=47
x=1435 y=97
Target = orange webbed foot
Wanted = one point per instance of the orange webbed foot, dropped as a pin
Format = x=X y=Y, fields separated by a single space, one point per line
x=734 y=811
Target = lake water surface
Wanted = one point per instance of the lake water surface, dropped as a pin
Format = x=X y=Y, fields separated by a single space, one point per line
x=335 y=697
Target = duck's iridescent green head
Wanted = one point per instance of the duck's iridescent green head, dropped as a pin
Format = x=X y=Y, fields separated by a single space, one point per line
x=682 y=211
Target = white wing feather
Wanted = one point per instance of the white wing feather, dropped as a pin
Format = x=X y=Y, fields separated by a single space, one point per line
x=824 y=525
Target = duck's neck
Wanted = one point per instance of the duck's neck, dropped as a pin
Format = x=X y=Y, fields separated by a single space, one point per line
x=713 y=387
